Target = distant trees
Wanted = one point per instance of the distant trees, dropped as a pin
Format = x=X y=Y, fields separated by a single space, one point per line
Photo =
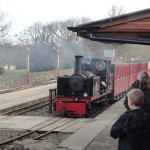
x=50 y=33
x=37 y=33
x=4 y=26
x=47 y=39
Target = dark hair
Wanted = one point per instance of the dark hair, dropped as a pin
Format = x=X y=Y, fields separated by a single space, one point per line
x=144 y=83
x=142 y=74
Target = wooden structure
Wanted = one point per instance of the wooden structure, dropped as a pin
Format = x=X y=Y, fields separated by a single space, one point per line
x=132 y=28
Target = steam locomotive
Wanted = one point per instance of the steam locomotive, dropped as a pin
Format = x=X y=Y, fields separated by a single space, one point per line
x=94 y=80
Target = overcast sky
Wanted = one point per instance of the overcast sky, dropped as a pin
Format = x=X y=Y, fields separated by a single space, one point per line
x=24 y=13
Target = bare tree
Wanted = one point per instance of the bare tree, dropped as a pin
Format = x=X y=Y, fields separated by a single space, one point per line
x=42 y=33
x=23 y=37
x=49 y=33
x=4 y=26
x=38 y=33
x=52 y=32
x=115 y=11
x=63 y=34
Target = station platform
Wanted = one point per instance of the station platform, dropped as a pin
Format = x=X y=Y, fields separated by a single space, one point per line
x=96 y=134
x=12 y=99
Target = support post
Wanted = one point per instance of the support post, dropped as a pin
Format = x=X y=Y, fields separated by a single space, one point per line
x=58 y=70
x=28 y=68
x=51 y=99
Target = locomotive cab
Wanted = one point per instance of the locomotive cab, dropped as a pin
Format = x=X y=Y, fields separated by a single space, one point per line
x=100 y=68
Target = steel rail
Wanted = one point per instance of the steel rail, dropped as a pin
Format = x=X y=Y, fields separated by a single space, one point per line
x=28 y=108
x=28 y=133
x=25 y=87
x=62 y=126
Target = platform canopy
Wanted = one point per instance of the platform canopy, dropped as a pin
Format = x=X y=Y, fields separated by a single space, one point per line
x=132 y=28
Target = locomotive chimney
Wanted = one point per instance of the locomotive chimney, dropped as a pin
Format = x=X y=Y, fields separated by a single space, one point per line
x=78 y=64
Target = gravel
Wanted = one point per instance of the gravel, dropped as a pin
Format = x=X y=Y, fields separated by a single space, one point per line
x=54 y=138
x=43 y=111
x=8 y=134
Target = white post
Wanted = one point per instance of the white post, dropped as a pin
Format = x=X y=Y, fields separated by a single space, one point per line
x=28 y=67
x=58 y=71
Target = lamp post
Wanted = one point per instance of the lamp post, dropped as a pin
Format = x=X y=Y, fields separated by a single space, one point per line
x=28 y=67
x=58 y=70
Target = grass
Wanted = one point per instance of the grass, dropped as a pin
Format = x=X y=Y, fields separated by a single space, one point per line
x=20 y=71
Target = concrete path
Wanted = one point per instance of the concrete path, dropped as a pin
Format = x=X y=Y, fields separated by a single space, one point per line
x=19 y=97
x=99 y=128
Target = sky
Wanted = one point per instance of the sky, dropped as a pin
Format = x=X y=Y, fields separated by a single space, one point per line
x=24 y=13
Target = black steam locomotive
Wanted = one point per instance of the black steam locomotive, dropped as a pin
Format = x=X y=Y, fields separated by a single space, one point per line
x=90 y=83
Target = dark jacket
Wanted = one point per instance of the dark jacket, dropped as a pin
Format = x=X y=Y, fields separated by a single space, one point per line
x=146 y=92
x=146 y=105
x=133 y=130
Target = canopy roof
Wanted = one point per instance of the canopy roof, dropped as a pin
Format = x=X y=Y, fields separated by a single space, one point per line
x=133 y=28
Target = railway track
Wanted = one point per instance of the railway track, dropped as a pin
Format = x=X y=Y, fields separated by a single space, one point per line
x=25 y=87
x=26 y=108
x=56 y=124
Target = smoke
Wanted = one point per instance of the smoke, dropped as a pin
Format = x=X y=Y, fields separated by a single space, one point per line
x=85 y=48
x=42 y=57
x=12 y=55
